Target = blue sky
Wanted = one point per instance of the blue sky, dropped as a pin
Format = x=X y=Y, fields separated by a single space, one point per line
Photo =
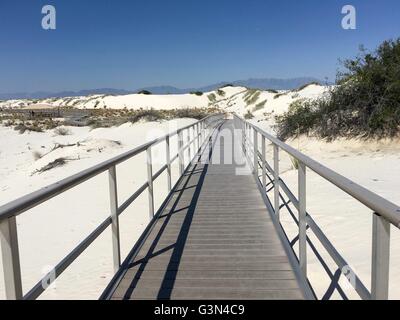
x=128 y=44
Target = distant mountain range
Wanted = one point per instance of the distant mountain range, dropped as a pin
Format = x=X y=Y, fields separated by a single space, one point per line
x=267 y=83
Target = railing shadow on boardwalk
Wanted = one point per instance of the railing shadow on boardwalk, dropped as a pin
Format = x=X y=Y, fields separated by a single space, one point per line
x=167 y=283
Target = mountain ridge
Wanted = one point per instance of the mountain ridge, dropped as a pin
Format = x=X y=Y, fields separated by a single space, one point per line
x=254 y=83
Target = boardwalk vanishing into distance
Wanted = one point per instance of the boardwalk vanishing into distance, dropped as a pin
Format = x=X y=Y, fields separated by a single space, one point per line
x=218 y=234
x=213 y=240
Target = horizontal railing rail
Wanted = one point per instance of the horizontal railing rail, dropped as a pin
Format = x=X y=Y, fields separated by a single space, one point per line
x=385 y=213
x=9 y=212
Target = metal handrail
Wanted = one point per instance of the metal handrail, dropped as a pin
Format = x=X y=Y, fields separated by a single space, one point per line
x=385 y=212
x=9 y=211
x=384 y=207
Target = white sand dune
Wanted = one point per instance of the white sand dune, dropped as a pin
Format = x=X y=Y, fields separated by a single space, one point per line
x=48 y=232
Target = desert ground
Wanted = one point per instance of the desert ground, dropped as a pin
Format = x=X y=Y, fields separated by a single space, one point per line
x=50 y=231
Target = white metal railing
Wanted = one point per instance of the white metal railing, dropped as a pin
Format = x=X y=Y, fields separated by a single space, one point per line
x=8 y=212
x=385 y=213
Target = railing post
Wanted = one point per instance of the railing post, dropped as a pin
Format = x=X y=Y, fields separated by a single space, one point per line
x=255 y=142
x=10 y=255
x=264 y=164
x=189 y=145
x=276 y=181
x=197 y=137
x=168 y=161
x=244 y=138
x=302 y=219
x=380 y=258
x=180 y=153
x=112 y=178
x=150 y=182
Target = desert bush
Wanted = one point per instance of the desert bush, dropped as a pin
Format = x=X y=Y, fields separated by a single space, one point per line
x=260 y=105
x=212 y=97
x=22 y=127
x=280 y=95
x=251 y=96
x=148 y=115
x=197 y=93
x=299 y=119
x=365 y=103
x=248 y=115
x=221 y=92
x=144 y=92
x=61 y=131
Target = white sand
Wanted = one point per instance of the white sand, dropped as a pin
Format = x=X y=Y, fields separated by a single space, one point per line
x=346 y=222
x=48 y=232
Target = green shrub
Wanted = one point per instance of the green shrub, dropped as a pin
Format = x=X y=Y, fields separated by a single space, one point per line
x=251 y=96
x=144 y=92
x=61 y=131
x=280 y=95
x=212 y=97
x=221 y=92
x=297 y=120
x=365 y=103
x=197 y=93
x=260 y=105
x=248 y=115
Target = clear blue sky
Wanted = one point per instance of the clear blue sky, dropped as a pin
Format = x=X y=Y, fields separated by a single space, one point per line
x=128 y=44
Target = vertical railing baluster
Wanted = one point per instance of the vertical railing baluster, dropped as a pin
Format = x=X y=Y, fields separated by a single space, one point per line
x=112 y=178
x=150 y=182
x=302 y=218
x=264 y=164
x=380 y=258
x=180 y=153
x=168 y=161
x=255 y=142
x=10 y=255
x=243 y=136
x=197 y=137
x=189 y=145
x=276 y=181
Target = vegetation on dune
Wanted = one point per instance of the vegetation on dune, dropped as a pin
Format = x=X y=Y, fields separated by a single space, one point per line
x=61 y=131
x=110 y=118
x=278 y=95
x=221 y=92
x=227 y=85
x=260 y=105
x=144 y=92
x=99 y=118
x=364 y=104
x=248 y=115
x=197 y=93
x=251 y=96
x=212 y=97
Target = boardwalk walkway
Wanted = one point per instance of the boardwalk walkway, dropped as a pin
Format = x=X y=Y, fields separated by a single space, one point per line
x=214 y=239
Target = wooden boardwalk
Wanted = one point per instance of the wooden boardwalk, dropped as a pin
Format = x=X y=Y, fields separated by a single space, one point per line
x=214 y=239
